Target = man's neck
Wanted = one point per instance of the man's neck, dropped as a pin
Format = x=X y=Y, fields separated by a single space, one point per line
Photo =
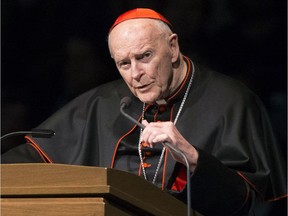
x=179 y=74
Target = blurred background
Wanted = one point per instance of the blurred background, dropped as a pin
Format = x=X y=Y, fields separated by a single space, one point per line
x=52 y=51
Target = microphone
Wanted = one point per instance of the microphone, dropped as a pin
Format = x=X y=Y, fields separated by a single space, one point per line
x=39 y=133
x=125 y=103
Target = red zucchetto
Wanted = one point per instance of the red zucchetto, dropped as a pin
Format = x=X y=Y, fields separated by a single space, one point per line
x=140 y=13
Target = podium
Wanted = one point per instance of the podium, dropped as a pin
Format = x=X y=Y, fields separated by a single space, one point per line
x=68 y=190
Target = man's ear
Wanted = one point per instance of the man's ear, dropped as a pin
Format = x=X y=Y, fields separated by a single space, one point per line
x=174 y=46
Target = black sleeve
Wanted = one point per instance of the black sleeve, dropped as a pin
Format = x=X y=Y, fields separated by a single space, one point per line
x=216 y=189
x=24 y=153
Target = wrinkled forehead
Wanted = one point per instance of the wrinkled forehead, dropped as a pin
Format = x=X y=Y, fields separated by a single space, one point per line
x=134 y=26
x=133 y=35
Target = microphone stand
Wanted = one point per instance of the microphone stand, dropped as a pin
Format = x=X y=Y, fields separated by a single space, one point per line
x=122 y=106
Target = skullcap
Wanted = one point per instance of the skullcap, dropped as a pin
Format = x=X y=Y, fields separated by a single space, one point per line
x=140 y=13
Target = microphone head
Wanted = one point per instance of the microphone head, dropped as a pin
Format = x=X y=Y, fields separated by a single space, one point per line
x=125 y=102
x=42 y=133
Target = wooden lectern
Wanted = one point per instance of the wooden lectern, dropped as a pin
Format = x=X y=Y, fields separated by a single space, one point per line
x=67 y=190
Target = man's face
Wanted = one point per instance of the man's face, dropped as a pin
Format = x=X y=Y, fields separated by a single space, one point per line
x=143 y=55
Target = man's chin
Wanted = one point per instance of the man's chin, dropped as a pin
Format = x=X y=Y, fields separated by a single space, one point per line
x=146 y=99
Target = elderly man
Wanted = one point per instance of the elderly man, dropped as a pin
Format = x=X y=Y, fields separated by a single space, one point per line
x=217 y=123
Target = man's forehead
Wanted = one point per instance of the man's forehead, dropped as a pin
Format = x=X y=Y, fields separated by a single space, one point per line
x=134 y=33
x=131 y=50
x=130 y=26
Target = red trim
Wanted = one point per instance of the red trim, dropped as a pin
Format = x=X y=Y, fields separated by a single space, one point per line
x=181 y=180
x=139 y=170
x=185 y=80
x=143 y=144
x=117 y=145
x=164 y=169
x=166 y=155
x=254 y=187
x=126 y=134
x=39 y=150
x=244 y=177
x=171 y=112
x=277 y=198
x=155 y=115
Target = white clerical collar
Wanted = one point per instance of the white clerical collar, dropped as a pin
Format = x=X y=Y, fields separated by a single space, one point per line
x=161 y=102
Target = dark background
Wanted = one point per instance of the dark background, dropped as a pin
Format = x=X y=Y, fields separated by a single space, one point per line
x=53 y=50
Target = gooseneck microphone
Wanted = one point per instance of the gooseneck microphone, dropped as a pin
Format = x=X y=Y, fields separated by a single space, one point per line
x=125 y=103
x=39 y=133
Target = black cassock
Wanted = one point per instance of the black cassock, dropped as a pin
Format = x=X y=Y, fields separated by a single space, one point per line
x=239 y=162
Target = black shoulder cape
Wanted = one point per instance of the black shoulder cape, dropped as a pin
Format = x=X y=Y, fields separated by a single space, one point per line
x=221 y=117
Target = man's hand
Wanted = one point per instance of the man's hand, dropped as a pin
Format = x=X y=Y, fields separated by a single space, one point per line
x=159 y=132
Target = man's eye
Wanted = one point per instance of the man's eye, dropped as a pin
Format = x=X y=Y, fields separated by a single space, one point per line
x=124 y=64
x=147 y=55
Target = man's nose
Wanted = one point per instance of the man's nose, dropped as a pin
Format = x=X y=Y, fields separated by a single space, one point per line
x=136 y=70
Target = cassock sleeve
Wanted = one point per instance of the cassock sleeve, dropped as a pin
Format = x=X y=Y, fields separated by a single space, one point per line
x=212 y=181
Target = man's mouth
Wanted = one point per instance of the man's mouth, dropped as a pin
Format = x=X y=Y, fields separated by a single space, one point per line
x=143 y=88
